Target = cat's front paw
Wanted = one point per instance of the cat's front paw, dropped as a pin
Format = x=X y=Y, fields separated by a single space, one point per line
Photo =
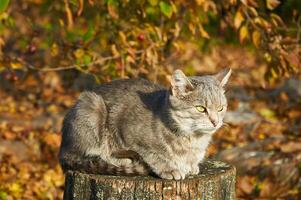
x=195 y=170
x=173 y=174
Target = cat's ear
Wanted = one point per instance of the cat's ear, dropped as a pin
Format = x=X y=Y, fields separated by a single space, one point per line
x=180 y=84
x=223 y=76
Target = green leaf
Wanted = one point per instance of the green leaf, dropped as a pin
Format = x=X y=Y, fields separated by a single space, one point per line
x=166 y=9
x=3 y=195
x=89 y=34
x=3 y=5
x=87 y=59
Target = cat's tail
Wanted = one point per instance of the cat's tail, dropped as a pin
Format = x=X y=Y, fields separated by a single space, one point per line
x=95 y=165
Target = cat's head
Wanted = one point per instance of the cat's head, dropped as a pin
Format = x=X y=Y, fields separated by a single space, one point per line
x=198 y=103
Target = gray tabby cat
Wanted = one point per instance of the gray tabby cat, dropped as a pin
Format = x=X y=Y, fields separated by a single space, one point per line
x=134 y=127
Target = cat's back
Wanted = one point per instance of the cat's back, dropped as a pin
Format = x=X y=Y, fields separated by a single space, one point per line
x=126 y=90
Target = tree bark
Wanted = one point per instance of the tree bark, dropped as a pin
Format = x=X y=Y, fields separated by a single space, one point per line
x=216 y=180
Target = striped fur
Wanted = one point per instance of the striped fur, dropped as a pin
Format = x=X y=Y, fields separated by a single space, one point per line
x=95 y=165
x=135 y=127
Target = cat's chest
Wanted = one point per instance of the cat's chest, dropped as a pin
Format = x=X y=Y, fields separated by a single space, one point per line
x=192 y=148
x=188 y=152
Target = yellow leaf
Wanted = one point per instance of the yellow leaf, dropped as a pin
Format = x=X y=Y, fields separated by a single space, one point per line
x=79 y=53
x=2 y=68
x=243 y=33
x=253 y=11
x=177 y=30
x=153 y=2
x=191 y=28
x=203 y=32
x=200 y=2
x=122 y=37
x=267 y=57
x=16 y=189
x=263 y=23
x=174 y=7
x=114 y=50
x=268 y=114
x=54 y=51
x=261 y=136
x=15 y=65
x=277 y=20
x=52 y=108
x=238 y=19
x=271 y=4
x=61 y=22
x=256 y=36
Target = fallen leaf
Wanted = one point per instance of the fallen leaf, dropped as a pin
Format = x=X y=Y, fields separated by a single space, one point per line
x=268 y=114
x=266 y=189
x=245 y=183
x=52 y=140
x=290 y=147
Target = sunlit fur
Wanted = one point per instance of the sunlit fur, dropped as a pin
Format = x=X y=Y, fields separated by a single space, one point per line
x=133 y=126
x=207 y=92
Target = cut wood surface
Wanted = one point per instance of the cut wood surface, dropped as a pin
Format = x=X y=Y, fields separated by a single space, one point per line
x=216 y=180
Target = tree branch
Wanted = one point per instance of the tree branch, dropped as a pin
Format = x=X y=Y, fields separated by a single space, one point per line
x=74 y=66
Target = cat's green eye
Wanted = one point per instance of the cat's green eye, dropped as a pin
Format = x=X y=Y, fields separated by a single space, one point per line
x=220 y=109
x=201 y=108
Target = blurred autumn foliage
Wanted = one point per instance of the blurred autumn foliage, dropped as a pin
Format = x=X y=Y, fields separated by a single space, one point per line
x=51 y=50
x=111 y=38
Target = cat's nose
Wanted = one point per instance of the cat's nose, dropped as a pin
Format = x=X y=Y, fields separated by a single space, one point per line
x=214 y=121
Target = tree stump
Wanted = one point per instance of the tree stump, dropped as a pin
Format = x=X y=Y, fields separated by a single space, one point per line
x=216 y=180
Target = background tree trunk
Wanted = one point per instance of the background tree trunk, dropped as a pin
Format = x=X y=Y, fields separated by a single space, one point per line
x=215 y=181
